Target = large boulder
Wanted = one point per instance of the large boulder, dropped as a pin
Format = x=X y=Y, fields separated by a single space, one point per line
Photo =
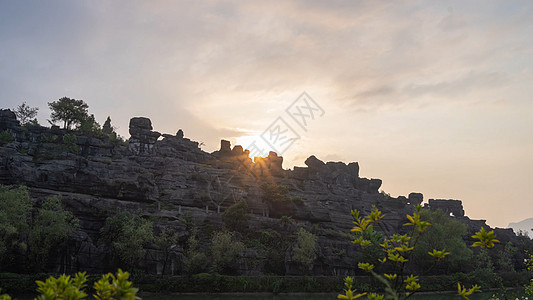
x=225 y=147
x=142 y=138
x=9 y=122
x=449 y=206
x=416 y=198
x=314 y=164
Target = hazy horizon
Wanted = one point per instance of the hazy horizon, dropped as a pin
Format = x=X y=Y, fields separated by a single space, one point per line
x=430 y=97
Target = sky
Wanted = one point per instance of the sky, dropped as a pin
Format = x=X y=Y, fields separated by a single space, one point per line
x=429 y=96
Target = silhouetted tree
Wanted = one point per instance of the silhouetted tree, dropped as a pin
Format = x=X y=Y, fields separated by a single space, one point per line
x=107 y=128
x=26 y=114
x=70 y=111
x=89 y=126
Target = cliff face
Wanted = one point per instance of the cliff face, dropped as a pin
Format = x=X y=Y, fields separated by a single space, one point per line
x=172 y=180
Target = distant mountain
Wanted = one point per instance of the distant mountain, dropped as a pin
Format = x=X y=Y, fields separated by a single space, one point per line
x=525 y=225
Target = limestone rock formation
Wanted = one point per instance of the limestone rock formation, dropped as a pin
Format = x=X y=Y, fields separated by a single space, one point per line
x=175 y=182
x=8 y=119
x=142 y=138
x=314 y=164
x=416 y=198
x=454 y=207
x=179 y=134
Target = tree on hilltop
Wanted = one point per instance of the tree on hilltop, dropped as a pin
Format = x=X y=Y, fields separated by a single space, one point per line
x=107 y=128
x=70 y=111
x=26 y=114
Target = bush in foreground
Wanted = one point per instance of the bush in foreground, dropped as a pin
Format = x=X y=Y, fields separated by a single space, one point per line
x=109 y=287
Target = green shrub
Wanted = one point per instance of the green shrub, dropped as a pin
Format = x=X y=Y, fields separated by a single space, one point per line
x=70 y=143
x=62 y=287
x=529 y=263
x=6 y=138
x=196 y=260
x=225 y=251
x=128 y=233
x=278 y=199
x=444 y=233
x=15 y=205
x=4 y=296
x=32 y=236
x=112 y=287
x=275 y=194
x=167 y=240
x=297 y=200
x=236 y=216
x=391 y=270
x=304 y=252
x=65 y=287
x=48 y=230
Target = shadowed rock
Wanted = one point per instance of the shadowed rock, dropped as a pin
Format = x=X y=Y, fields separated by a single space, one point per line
x=142 y=138
x=174 y=180
x=225 y=147
x=314 y=164
x=455 y=207
x=179 y=134
x=416 y=198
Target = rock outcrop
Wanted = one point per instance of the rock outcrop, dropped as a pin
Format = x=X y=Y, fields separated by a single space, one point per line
x=142 y=138
x=453 y=207
x=173 y=180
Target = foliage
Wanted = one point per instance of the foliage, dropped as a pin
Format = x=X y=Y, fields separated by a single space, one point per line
x=88 y=126
x=70 y=143
x=128 y=233
x=275 y=194
x=348 y=292
x=286 y=221
x=505 y=258
x=4 y=296
x=21 y=234
x=107 y=128
x=26 y=114
x=70 y=111
x=50 y=227
x=399 y=250
x=236 y=216
x=196 y=260
x=367 y=237
x=15 y=205
x=529 y=263
x=65 y=287
x=112 y=287
x=225 y=251
x=484 y=271
x=167 y=241
x=304 y=252
x=486 y=239
x=463 y=292
x=444 y=233
x=62 y=287
x=278 y=198
x=6 y=138
x=274 y=245
x=297 y=200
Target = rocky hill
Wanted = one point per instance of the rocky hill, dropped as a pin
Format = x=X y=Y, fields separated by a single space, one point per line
x=172 y=180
